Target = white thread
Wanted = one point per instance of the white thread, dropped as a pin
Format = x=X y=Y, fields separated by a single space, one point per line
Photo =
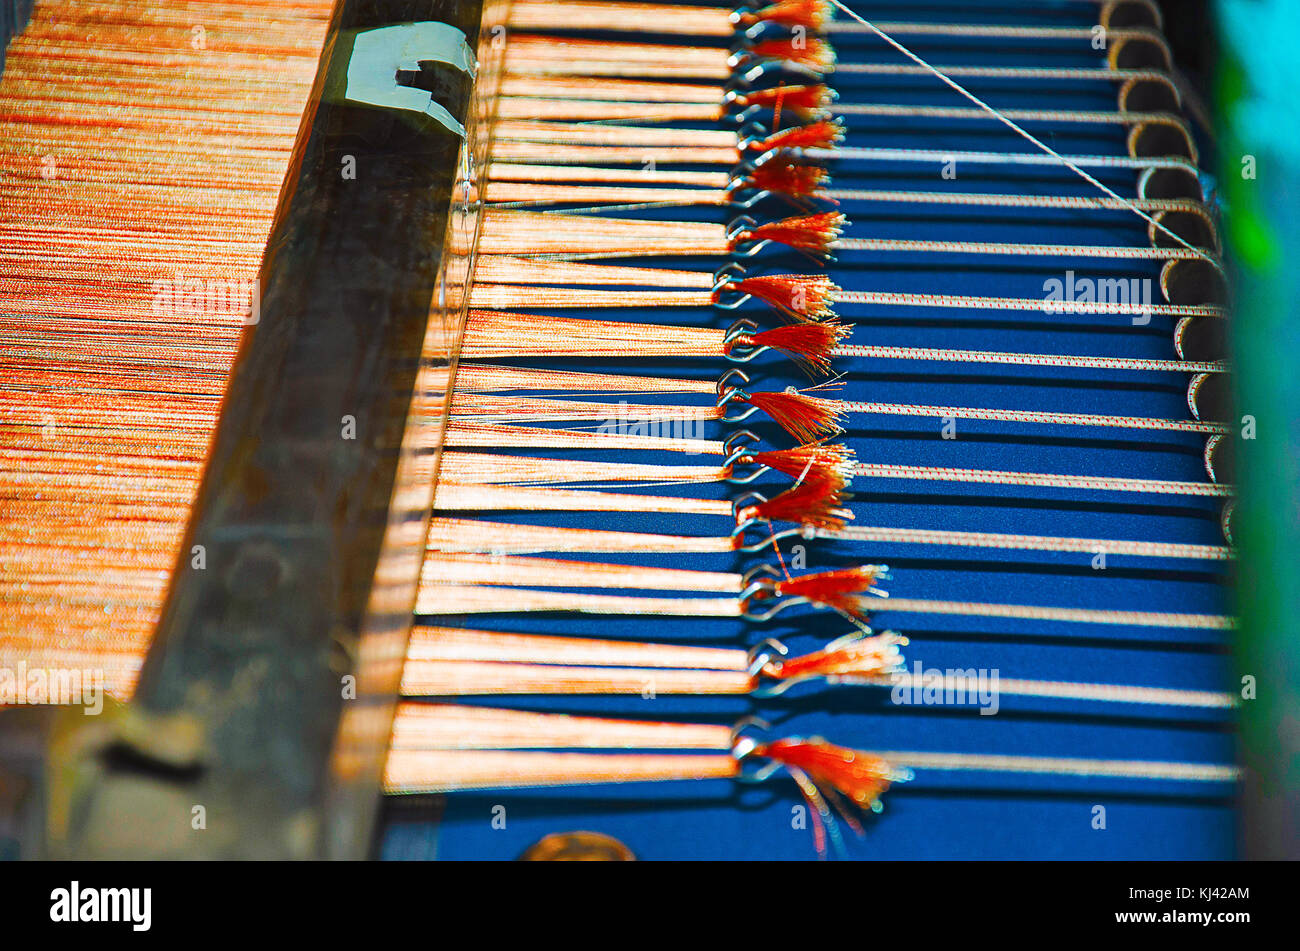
x=1022 y=132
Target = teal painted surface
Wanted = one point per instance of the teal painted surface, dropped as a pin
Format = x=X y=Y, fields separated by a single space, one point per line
x=1260 y=122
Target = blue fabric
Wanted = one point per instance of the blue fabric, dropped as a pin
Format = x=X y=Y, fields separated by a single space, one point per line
x=940 y=815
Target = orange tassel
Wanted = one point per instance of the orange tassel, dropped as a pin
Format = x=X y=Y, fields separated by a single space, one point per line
x=806 y=418
x=802 y=296
x=789 y=178
x=860 y=776
x=813 y=53
x=810 y=14
x=840 y=590
x=811 y=233
x=814 y=461
x=817 y=135
x=848 y=657
x=814 y=502
x=809 y=344
x=809 y=103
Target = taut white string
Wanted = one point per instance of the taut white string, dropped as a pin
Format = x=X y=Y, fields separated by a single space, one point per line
x=1019 y=130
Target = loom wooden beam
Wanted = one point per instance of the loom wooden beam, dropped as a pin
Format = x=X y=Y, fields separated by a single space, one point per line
x=243 y=738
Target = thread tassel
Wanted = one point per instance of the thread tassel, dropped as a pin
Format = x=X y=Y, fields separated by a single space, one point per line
x=857 y=655
x=816 y=54
x=802 y=296
x=806 y=418
x=812 y=15
x=810 y=462
x=792 y=179
x=859 y=776
x=809 y=103
x=841 y=590
x=812 y=502
x=812 y=234
x=825 y=134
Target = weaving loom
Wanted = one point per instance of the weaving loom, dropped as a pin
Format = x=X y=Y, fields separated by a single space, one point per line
x=758 y=395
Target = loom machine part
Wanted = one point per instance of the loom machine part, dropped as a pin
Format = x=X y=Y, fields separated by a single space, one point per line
x=407 y=403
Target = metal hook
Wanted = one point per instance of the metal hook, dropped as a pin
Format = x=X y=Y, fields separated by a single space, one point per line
x=750 y=136
x=742 y=745
x=760 y=655
x=732 y=445
x=738 y=173
x=723 y=380
x=751 y=133
x=776 y=608
x=725 y=279
x=748 y=577
x=728 y=299
x=741 y=327
x=765 y=66
x=738 y=226
x=806 y=532
x=741 y=173
x=738 y=533
x=746 y=479
x=753 y=583
x=751 y=201
x=741 y=52
x=741 y=416
x=734 y=346
x=747 y=249
x=743 y=7
x=746 y=115
x=727 y=273
x=749 y=496
x=736 y=231
x=737 y=448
